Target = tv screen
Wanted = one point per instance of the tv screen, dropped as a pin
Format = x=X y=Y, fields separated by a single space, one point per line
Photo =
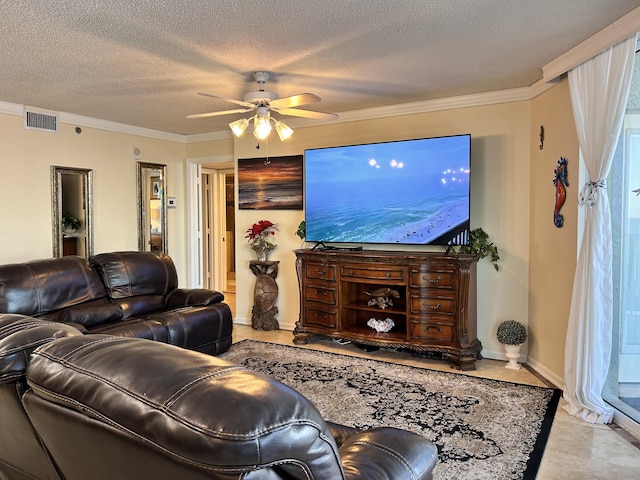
x=401 y=192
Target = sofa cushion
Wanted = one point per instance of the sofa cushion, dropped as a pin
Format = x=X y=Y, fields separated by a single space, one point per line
x=140 y=305
x=41 y=286
x=127 y=274
x=142 y=328
x=92 y=315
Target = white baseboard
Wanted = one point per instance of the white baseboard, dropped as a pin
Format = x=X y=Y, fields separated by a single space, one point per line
x=492 y=355
x=247 y=321
x=546 y=373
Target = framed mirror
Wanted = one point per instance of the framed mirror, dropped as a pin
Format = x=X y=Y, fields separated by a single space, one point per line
x=72 y=211
x=152 y=207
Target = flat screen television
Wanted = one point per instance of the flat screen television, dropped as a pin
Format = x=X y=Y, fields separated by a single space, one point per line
x=412 y=192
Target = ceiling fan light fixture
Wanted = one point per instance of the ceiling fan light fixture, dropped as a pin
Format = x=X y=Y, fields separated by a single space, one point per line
x=283 y=130
x=261 y=127
x=239 y=126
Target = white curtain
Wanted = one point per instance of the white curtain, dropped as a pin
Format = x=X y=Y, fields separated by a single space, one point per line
x=599 y=90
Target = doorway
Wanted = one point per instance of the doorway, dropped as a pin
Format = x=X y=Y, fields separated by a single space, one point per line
x=218 y=232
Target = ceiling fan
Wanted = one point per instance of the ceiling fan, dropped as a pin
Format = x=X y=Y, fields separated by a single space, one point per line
x=263 y=103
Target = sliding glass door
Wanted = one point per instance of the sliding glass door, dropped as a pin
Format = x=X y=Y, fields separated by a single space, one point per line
x=623 y=187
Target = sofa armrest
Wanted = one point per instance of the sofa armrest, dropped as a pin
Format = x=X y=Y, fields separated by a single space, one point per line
x=188 y=297
x=19 y=336
x=79 y=326
x=341 y=433
x=388 y=453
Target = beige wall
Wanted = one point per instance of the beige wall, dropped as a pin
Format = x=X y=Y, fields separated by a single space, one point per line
x=25 y=191
x=500 y=204
x=553 y=250
x=512 y=199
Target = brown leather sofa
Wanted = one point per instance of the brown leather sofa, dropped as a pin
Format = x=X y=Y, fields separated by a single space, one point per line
x=101 y=407
x=129 y=294
x=22 y=455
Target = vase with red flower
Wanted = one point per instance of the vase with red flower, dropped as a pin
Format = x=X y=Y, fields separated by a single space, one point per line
x=259 y=236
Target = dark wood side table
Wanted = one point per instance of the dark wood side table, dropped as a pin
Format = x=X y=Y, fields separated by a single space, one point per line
x=265 y=295
x=69 y=246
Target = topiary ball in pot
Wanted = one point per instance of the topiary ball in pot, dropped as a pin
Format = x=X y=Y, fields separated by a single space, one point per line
x=511 y=332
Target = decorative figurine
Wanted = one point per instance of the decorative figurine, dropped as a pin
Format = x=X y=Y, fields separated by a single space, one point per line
x=382 y=297
x=561 y=192
x=265 y=295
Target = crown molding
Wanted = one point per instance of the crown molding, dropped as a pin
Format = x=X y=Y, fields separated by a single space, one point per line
x=80 y=120
x=440 y=104
x=209 y=136
x=594 y=45
x=17 y=110
x=542 y=86
x=11 y=109
x=450 y=103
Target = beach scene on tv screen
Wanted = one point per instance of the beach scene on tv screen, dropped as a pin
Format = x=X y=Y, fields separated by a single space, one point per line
x=410 y=192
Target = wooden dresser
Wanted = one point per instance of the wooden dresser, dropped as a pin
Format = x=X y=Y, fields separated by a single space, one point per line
x=429 y=297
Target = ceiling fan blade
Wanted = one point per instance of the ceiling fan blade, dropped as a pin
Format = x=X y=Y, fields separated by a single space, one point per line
x=295 y=100
x=215 y=114
x=232 y=100
x=296 y=112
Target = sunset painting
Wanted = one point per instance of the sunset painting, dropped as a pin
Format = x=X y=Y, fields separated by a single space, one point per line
x=270 y=184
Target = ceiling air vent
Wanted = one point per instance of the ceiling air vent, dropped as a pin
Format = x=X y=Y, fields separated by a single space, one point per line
x=45 y=122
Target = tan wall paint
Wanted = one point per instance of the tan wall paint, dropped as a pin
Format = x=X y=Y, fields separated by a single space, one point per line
x=512 y=199
x=25 y=190
x=500 y=204
x=553 y=250
x=217 y=148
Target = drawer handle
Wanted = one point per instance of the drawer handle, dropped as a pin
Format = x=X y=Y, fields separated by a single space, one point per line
x=321 y=292
x=323 y=316
x=432 y=307
x=426 y=329
x=432 y=280
x=387 y=274
x=321 y=272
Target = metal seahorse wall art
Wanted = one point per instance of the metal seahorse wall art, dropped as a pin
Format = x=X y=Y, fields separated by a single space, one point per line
x=560 y=182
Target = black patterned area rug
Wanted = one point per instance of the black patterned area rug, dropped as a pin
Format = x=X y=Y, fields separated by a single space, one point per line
x=484 y=429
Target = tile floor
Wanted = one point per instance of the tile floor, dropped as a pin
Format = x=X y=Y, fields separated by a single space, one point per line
x=575 y=450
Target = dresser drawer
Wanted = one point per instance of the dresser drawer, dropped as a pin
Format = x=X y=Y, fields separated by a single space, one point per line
x=426 y=331
x=317 y=316
x=372 y=273
x=320 y=271
x=423 y=305
x=432 y=278
x=320 y=294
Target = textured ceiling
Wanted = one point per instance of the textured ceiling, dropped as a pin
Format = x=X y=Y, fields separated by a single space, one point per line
x=142 y=62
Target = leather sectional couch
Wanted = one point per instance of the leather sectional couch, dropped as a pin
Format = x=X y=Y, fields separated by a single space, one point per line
x=90 y=406
x=128 y=294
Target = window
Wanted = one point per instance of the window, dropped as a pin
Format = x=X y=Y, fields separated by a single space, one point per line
x=623 y=188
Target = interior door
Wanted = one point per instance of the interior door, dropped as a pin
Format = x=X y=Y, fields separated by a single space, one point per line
x=218 y=229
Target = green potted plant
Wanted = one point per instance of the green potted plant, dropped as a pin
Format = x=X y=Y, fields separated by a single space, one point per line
x=512 y=334
x=70 y=223
x=480 y=246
